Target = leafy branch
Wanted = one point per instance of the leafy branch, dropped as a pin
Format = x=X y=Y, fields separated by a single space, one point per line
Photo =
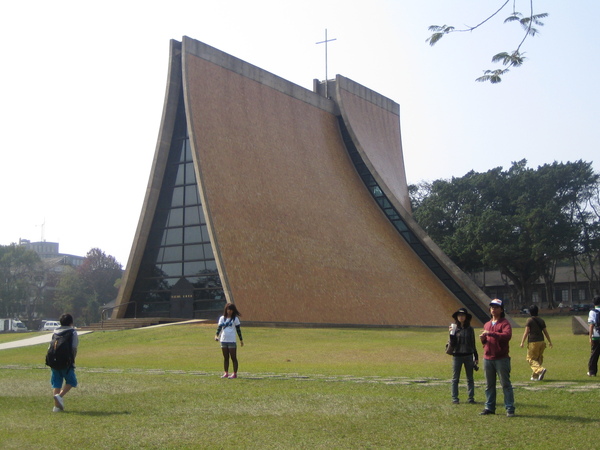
x=508 y=59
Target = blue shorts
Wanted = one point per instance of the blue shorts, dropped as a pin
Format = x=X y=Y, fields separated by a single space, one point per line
x=228 y=345
x=68 y=375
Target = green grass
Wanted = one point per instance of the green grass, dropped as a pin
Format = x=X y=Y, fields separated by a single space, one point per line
x=298 y=388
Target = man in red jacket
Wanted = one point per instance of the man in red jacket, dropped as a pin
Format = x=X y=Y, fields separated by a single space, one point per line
x=495 y=337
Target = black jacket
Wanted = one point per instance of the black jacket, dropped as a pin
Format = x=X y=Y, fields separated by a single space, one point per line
x=464 y=342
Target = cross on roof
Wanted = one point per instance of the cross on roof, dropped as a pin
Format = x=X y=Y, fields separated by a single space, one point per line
x=325 y=42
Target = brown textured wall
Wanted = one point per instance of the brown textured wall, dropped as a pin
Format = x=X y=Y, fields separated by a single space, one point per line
x=299 y=236
x=373 y=122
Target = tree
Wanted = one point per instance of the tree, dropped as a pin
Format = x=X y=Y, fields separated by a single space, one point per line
x=84 y=290
x=514 y=58
x=100 y=272
x=587 y=254
x=20 y=271
x=72 y=296
x=518 y=221
x=557 y=190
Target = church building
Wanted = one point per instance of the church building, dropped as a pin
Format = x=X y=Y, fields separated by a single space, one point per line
x=291 y=203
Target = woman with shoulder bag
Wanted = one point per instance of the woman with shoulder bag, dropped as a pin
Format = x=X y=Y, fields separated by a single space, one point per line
x=462 y=338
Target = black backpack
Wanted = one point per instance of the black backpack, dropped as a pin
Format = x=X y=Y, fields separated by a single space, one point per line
x=60 y=351
x=597 y=319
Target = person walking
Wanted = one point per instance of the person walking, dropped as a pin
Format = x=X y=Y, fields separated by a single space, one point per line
x=594 y=333
x=495 y=338
x=228 y=326
x=462 y=337
x=64 y=374
x=535 y=330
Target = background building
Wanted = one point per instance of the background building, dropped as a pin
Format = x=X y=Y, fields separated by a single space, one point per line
x=291 y=203
x=570 y=287
x=49 y=251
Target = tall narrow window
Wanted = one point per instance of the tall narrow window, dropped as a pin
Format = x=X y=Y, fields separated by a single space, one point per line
x=178 y=275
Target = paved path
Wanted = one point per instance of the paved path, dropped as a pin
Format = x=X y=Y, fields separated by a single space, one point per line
x=42 y=339
x=45 y=338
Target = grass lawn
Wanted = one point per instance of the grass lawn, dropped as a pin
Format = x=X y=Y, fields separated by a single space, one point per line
x=298 y=388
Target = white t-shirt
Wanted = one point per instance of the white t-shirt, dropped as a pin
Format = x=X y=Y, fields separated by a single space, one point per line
x=228 y=332
x=591 y=319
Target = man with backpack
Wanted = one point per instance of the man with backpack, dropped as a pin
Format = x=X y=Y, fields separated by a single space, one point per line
x=61 y=359
x=594 y=323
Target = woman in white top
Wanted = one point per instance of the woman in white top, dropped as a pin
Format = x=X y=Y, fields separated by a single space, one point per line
x=228 y=326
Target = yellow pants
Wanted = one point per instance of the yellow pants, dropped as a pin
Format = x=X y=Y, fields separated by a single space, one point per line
x=535 y=357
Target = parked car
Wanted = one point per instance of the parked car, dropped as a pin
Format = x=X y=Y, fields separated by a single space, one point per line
x=50 y=325
x=14 y=325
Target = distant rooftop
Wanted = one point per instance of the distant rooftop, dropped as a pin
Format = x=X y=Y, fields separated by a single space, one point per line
x=50 y=250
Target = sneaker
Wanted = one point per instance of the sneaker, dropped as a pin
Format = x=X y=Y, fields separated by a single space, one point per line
x=471 y=401
x=591 y=374
x=541 y=375
x=232 y=376
x=510 y=414
x=59 y=402
x=486 y=412
x=55 y=409
x=455 y=402
x=225 y=375
x=534 y=379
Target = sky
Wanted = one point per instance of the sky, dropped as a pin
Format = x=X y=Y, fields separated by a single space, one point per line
x=82 y=88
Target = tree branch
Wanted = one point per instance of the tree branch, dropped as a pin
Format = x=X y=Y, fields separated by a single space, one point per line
x=512 y=59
